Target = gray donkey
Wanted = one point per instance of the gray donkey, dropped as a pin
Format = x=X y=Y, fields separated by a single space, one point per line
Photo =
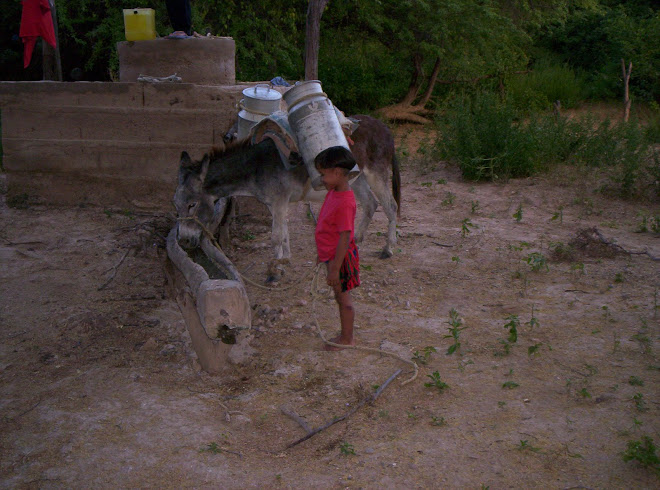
x=242 y=169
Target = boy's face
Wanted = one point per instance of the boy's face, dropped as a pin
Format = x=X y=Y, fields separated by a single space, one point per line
x=332 y=177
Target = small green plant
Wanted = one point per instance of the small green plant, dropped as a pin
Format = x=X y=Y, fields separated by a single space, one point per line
x=449 y=199
x=559 y=215
x=640 y=404
x=212 y=448
x=436 y=382
x=346 y=449
x=537 y=261
x=635 y=381
x=526 y=446
x=466 y=224
x=509 y=385
x=506 y=348
x=533 y=349
x=247 y=236
x=644 y=452
x=518 y=215
x=513 y=324
x=533 y=322
x=618 y=277
x=455 y=328
x=366 y=267
x=438 y=421
x=441 y=181
x=474 y=206
x=424 y=356
x=456 y=259
x=426 y=184
x=584 y=393
x=501 y=404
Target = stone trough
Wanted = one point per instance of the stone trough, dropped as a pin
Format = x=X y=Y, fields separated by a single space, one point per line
x=219 y=322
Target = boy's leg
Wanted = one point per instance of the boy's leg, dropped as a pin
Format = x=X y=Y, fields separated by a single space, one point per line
x=346 y=317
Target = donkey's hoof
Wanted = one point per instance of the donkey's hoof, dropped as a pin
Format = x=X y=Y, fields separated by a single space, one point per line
x=385 y=254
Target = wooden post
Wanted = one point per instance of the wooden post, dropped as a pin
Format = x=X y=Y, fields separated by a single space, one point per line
x=626 y=97
x=51 y=63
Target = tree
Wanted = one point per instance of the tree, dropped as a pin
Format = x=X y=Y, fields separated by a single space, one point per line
x=460 y=40
x=312 y=38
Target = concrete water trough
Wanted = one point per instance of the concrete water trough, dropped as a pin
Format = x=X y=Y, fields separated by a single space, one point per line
x=219 y=322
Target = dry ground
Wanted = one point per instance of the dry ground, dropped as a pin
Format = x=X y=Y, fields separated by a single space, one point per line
x=100 y=387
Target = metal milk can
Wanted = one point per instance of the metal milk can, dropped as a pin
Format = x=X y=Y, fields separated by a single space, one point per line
x=314 y=122
x=257 y=103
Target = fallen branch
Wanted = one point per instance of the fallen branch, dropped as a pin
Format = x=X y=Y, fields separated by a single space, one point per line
x=370 y=399
x=114 y=272
x=302 y=422
x=609 y=243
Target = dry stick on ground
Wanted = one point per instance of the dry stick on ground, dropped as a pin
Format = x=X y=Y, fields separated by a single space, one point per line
x=370 y=399
x=114 y=272
x=609 y=243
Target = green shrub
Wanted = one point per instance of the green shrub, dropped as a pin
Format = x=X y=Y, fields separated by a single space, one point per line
x=538 y=90
x=489 y=141
x=486 y=138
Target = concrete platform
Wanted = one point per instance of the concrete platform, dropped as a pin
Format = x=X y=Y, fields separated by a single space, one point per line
x=204 y=61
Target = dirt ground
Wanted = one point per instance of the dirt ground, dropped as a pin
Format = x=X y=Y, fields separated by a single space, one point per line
x=100 y=387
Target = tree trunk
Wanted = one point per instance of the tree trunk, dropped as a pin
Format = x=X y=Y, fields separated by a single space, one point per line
x=626 y=97
x=51 y=64
x=429 y=89
x=415 y=83
x=312 y=38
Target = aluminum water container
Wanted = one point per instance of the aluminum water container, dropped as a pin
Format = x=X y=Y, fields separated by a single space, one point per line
x=257 y=103
x=313 y=120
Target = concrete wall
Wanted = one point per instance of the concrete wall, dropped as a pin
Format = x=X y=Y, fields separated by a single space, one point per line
x=111 y=144
x=204 y=61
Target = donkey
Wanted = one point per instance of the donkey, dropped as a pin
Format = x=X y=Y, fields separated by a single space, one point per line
x=242 y=169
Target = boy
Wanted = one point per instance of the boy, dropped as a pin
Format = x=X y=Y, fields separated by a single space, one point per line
x=335 y=230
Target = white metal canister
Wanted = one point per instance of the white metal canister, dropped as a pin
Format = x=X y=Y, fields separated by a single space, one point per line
x=257 y=103
x=313 y=120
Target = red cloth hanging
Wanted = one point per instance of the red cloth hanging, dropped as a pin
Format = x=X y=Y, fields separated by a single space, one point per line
x=36 y=21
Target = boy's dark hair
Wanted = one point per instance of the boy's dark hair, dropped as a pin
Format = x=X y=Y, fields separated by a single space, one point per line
x=335 y=157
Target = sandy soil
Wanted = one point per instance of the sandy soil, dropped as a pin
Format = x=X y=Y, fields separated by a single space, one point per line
x=100 y=387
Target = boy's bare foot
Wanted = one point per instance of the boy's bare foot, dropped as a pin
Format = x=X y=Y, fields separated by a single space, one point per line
x=337 y=340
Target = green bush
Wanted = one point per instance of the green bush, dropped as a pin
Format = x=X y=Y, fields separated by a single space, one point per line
x=488 y=141
x=538 y=90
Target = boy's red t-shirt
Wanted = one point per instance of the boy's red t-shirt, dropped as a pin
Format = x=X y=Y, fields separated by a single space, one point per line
x=337 y=215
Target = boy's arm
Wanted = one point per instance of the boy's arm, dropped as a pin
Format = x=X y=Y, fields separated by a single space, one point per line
x=335 y=264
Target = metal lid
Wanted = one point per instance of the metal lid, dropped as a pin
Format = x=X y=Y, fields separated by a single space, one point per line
x=262 y=92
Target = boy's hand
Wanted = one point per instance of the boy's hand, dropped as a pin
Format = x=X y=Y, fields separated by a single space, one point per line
x=333 y=276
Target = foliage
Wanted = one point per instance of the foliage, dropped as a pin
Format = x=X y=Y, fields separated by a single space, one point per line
x=489 y=140
x=644 y=452
x=546 y=83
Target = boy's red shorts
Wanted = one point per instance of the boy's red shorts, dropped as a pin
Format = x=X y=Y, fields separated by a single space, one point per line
x=349 y=273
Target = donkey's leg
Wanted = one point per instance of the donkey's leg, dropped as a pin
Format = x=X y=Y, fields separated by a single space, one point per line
x=280 y=230
x=279 y=240
x=368 y=203
x=380 y=186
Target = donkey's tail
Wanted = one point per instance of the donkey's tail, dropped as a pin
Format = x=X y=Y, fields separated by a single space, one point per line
x=396 y=184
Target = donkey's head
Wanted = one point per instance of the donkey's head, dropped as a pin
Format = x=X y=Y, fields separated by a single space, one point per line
x=193 y=204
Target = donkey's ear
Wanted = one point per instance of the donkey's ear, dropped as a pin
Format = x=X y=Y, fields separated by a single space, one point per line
x=185 y=160
x=204 y=166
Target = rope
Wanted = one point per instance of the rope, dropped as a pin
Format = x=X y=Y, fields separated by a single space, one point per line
x=315 y=294
x=314 y=291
